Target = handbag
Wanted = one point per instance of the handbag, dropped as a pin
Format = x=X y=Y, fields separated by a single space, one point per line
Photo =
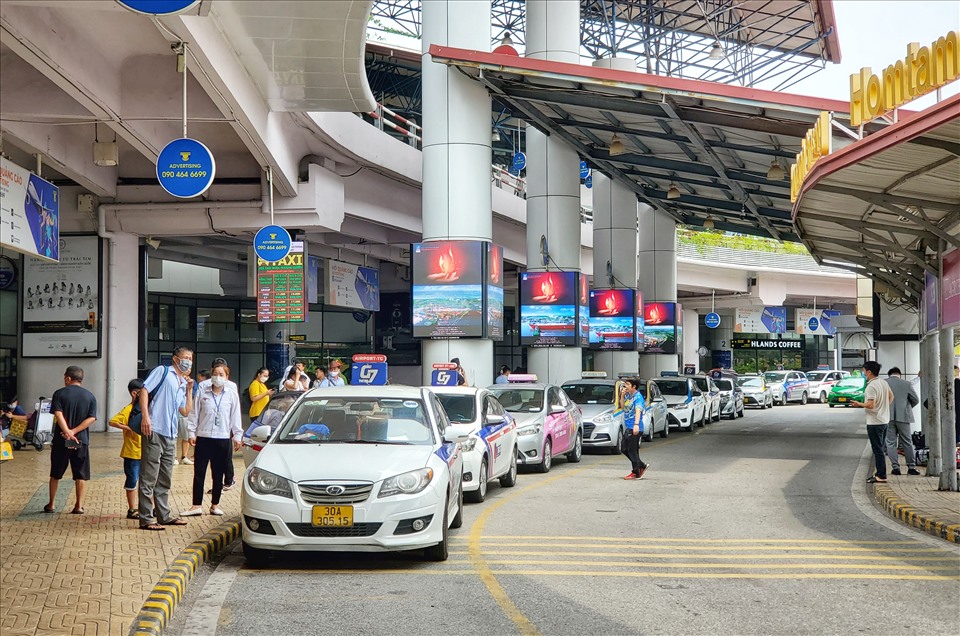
x=135 y=421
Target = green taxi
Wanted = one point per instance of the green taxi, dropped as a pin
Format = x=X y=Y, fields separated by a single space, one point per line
x=846 y=391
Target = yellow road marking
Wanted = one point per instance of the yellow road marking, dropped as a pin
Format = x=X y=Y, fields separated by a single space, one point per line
x=664 y=555
x=733 y=566
x=541 y=539
x=732 y=549
x=654 y=575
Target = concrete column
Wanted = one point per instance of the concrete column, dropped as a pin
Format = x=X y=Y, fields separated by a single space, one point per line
x=948 y=413
x=614 y=241
x=721 y=337
x=691 y=338
x=553 y=183
x=657 y=268
x=931 y=392
x=456 y=158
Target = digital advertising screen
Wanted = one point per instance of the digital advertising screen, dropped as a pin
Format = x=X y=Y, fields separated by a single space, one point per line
x=641 y=342
x=583 y=311
x=660 y=327
x=448 y=287
x=612 y=319
x=548 y=309
x=494 y=291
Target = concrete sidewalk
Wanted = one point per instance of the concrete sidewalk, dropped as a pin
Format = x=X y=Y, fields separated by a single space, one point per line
x=916 y=502
x=85 y=574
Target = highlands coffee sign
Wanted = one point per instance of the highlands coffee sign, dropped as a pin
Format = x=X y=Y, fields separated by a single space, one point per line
x=747 y=343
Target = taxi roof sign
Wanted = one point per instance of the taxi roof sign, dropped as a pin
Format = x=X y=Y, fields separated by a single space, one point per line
x=669 y=374
x=593 y=374
x=447 y=366
x=522 y=377
x=368 y=357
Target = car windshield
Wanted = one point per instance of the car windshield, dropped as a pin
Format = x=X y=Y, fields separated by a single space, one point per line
x=724 y=385
x=460 y=408
x=756 y=382
x=816 y=376
x=852 y=382
x=775 y=376
x=517 y=400
x=322 y=420
x=589 y=393
x=672 y=387
x=702 y=384
x=276 y=409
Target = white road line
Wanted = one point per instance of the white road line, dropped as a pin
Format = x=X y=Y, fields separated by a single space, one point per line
x=204 y=616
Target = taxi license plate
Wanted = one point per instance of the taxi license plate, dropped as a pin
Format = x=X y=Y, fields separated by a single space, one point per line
x=841 y=399
x=332 y=516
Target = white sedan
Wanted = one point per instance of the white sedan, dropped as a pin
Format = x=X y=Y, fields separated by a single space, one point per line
x=491 y=450
x=355 y=469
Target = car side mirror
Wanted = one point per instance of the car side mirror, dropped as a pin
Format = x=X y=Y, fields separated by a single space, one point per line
x=261 y=434
x=451 y=436
x=493 y=420
x=556 y=408
x=659 y=399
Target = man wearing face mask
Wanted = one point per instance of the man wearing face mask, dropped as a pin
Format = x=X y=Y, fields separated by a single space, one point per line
x=333 y=377
x=167 y=392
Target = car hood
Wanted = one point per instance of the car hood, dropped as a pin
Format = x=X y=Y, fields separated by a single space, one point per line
x=526 y=418
x=591 y=411
x=673 y=400
x=753 y=389
x=847 y=390
x=361 y=462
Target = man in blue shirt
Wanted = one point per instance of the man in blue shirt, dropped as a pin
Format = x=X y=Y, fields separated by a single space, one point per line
x=171 y=389
x=504 y=377
x=633 y=406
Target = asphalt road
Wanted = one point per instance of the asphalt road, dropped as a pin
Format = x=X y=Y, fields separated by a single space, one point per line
x=760 y=525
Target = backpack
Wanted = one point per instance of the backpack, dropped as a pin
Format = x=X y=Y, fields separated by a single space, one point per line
x=245 y=402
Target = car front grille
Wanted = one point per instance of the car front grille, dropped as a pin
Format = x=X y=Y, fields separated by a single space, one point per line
x=316 y=493
x=588 y=429
x=356 y=530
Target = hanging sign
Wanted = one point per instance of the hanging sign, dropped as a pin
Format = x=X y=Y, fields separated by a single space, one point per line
x=369 y=369
x=588 y=181
x=816 y=322
x=271 y=243
x=353 y=286
x=761 y=320
x=158 y=7
x=584 y=170
x=280 y=288
x=29 y=212
x=712 y=320
x=8 y=272
x=185 y=168
x=519 y=161
x=444 y=374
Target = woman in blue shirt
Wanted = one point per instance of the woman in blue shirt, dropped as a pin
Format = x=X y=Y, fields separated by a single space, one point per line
x=633 y=405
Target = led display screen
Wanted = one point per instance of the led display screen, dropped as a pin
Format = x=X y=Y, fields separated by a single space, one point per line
x=641 y=342
x=583 y=311
x=448 y=289
x=548 y=309
x=660 y=327
x=612 y=319
x=494 y=291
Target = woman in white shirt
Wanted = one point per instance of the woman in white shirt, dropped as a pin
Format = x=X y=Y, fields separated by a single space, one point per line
x=214 y=424
x=297 y=379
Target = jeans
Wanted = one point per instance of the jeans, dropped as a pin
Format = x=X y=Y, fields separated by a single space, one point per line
x=156 y=475
x=214 y=452
x=633 y=452
x=900 y=430
x=131 y=469
x=877 y=433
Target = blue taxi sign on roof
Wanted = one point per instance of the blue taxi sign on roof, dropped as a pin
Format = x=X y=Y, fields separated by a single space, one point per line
x=712 y=320
x=158 y=7
x=185 y=168
x=272 y=243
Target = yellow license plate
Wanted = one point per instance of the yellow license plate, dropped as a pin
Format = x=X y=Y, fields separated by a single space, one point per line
x=841 y=399
x=332 y=516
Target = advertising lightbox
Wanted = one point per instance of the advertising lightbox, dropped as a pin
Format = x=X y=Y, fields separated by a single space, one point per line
x=494 y=291
x=548 y=309
x=612 y=319
x=583 y=311
x=448 y=289
x=660 y=327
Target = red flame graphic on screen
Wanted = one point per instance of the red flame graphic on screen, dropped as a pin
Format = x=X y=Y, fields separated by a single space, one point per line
x=495 y=265
x=656 y=314
x=583 y=290
x=449 y=268
x=611 y=306
x=548 y=291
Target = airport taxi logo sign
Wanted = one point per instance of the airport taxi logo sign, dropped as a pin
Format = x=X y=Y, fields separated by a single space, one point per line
x=272 y=243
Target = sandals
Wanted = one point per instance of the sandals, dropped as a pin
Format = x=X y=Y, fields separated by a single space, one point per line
x=49 y=509
x=77 y=511
x=876 y=480
x=155 y=527
x=133 y=514
x=175 y=522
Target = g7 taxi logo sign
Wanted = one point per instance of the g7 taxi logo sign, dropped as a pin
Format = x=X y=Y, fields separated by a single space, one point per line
x=368 y=374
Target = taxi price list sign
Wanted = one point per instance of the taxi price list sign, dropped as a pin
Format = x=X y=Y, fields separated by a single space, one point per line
x=281 y=294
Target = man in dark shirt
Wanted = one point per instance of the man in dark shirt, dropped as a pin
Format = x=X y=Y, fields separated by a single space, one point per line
x=74 y=410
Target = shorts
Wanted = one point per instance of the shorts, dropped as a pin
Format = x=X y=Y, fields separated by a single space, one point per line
x=131 y=468
x=182 y=432
x=78 y=459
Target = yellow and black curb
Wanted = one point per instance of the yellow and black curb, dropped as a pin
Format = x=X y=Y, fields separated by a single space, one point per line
x=904 y=512
x=169 y=590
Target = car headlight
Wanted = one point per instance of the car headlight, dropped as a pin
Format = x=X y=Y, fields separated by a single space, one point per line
x=532 y=429
x=264 y=482
x=681 y=406
x=407 y=483
x=603 y=418
x=470 y=444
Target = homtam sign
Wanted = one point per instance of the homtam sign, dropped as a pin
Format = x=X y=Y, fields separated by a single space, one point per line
x=923 y=70
x=815 y=145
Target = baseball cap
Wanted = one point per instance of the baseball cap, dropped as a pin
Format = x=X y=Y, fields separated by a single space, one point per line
x=336 y=363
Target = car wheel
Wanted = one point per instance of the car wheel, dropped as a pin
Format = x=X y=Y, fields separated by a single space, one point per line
x=803 y=398
x=458 y=518
x=574 y=456
x=832 y=405
x=510 y=479
x=478 y=495
x=740 y=412
x=440 y=551
x=823 y=397
x=616 y=449
x=256 y=557
x=544 y=466
x=666 y=430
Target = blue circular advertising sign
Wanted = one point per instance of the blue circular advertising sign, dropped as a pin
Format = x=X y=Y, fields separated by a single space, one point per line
x=272 y=243
x=813 y=323
x=8 y=272
x=712 y=320
x=588 y=181
x=519 y=161
x=185 y=168
x=584 y=170
x=159 y=7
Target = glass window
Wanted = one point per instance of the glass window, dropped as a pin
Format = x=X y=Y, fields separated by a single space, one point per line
x=817 y=376
x=351 y=420
x=217 y=325
x=516 y=400
x=757 y=382
x=725 y=385
x=584 y=393
x=673 y=387
x=775 y=376
x=459 y=408
x=343 y=327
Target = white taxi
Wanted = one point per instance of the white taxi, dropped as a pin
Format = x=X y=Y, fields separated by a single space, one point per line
x=355 y=469
x=490 y=452
x=685 y=401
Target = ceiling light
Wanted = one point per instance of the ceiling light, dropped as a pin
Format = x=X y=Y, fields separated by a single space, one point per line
x=716 y=53
x=106 y=153
x=708 y=224
x=673 y=192
x=616 y=147
x=775 y=173
x=495 y=136
x=152 y=242
x=506 y=40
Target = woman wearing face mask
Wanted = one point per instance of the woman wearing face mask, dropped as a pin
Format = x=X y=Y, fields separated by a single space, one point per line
x=333 y=377
x=214 y=428
x=259 y=393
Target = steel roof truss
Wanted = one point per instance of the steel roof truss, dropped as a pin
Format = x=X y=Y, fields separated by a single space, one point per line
x=857 y=225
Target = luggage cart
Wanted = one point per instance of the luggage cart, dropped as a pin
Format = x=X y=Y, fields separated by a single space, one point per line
x=36 y=430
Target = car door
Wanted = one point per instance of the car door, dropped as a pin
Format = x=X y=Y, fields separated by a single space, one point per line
x=558 y=422
x=449 y=452
x=494 y=436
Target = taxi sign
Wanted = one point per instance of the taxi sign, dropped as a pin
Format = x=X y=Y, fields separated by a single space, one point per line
x=368 y=373
x=593 y=374
x=516 y=378
x=369 y=357
x=444 y=365
x=669 y=374
x=444 y=377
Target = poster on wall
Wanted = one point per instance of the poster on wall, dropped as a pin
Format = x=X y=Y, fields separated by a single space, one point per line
x=761 y=320
x=448 y=289
x=660 y=327
x=816 y=322
x=950 y=289
x=494 y=291
x=548 y=309
x=353 y=286
x=612 y=319
x=29 y=212
x=61 y=301
x=281 y=293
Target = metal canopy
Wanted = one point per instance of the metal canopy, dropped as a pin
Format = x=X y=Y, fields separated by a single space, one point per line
x=884 y=205
x=715 y=143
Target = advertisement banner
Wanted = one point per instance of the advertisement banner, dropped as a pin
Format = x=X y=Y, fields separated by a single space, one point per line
x=548 y=309
x=494 y=291
x=61 y=301
x=660 y=327
x=353 y=286
x=612 y=319
x=816 y=322
x=761 y=320
x=950 y=289
x=281 y=293
x=641 y=327
x=747 y=343
x=931 y=303
x=583 y=311
x=29 y=212
x=448 y=289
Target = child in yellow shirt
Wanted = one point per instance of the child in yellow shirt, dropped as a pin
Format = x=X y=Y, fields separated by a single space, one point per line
x=131 y=449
